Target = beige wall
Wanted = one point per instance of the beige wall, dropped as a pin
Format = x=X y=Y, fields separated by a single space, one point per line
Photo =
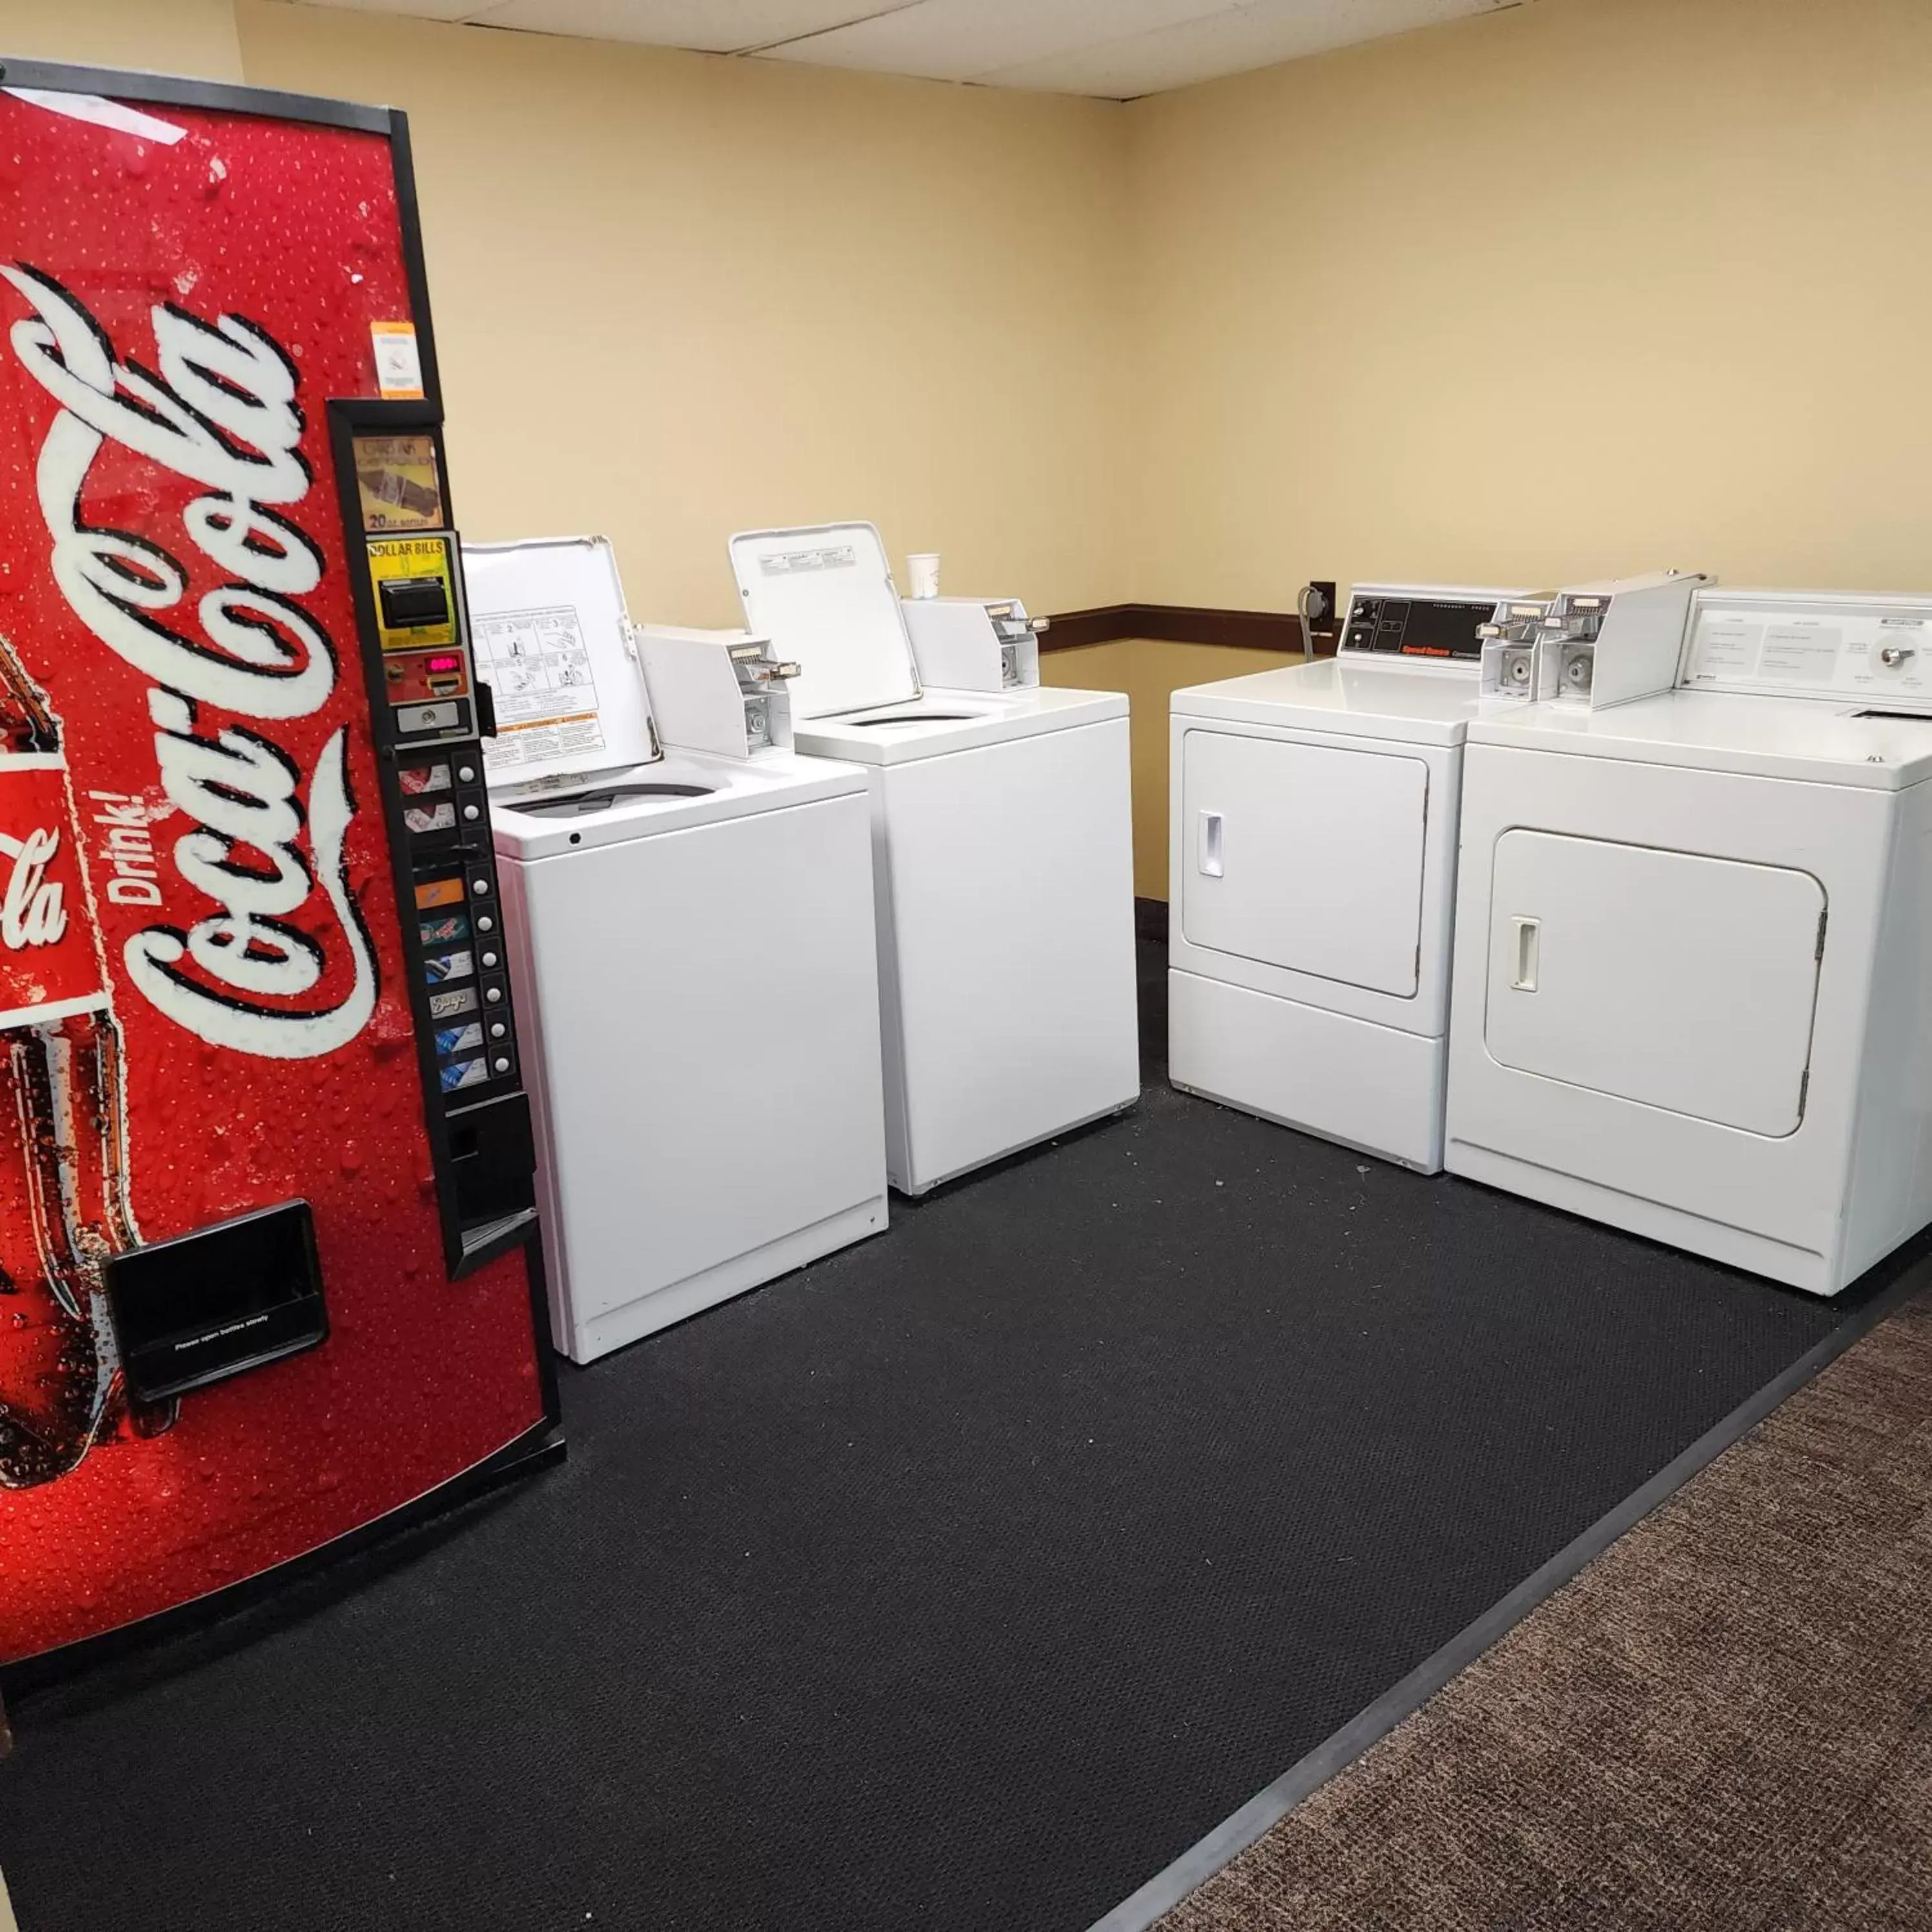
x=196 y=36
x=1194 y=350
x=1685 y=240
x=1148 y=670
x=676 y=296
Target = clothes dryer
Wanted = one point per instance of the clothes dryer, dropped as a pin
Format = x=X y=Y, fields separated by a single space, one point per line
x=1693 y=934
x=1312 y=873
x=690 y=940
x=1003 y=862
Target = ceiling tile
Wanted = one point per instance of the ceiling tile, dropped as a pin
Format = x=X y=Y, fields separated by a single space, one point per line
x=1255 y=34
x=710 y=26
x=956 y=40
x=1115 y=48
x=419 y=10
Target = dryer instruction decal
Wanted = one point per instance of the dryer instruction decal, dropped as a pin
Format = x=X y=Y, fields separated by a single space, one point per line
x=537 y=666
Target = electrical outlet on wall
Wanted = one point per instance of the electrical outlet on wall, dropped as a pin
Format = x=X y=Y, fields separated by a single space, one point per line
x=1314 y=605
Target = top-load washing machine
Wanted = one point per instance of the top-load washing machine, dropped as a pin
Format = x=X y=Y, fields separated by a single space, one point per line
x=1313 y=872
x=689 y=939
x=1003 y=862
x=1693 y=937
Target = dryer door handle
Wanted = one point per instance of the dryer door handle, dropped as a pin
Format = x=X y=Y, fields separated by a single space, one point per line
x=1209 y=857
x=1529 y=947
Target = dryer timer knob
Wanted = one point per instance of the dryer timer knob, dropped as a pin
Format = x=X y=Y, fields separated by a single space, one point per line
x=1892 y=656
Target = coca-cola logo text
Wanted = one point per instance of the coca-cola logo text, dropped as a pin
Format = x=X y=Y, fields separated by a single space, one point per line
x=219 y=410
x=31 y=912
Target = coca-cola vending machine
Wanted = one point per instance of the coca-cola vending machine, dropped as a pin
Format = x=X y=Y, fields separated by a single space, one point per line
x=267 y=1254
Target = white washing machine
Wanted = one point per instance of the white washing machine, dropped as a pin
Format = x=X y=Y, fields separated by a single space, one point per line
x=1311 y=875
x=690 y=949
x=1693 y=941
x=1003 y=858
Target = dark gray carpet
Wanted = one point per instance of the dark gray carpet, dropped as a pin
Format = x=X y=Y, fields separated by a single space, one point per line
x=1723 y=1725
x=962 y=1580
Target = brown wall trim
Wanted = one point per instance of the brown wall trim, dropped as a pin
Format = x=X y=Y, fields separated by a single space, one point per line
x=1182 y=624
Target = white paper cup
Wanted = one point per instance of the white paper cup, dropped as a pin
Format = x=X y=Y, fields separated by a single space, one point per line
x=923 y=574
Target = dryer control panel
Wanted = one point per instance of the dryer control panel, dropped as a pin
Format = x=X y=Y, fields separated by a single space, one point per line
x=1430 y=623
x=1787 y=644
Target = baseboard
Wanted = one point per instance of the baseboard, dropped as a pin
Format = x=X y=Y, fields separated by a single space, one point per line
x=1182 y=624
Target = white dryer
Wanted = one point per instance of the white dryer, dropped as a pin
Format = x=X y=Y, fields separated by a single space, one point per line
x=1693 y=937
x=1311 y=875
x=1003 y=862
x=690 y=943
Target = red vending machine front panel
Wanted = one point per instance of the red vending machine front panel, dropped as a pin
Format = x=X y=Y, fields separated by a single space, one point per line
x=212 y=996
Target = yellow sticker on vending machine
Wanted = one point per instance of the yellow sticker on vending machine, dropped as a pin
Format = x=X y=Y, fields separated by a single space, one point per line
x=412 y=579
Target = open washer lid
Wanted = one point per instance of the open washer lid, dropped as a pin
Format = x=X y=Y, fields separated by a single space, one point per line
x=825 y=597
x=552 y=640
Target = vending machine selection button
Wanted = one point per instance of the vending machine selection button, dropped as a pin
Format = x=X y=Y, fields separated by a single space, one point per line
x=479 y=886
x=484 y=923
x=494 y=995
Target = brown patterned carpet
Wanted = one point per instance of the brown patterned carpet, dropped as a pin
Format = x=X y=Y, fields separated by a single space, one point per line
x=1725 y=1722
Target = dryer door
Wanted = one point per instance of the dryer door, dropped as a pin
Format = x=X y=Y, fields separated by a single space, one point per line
x=1670 y=978
x=1305 y=857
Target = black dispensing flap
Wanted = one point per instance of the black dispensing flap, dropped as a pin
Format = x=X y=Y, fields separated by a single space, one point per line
x=208 y=1305
x=493 y=1158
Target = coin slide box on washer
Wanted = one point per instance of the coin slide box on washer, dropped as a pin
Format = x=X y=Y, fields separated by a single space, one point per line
x=691 y=949
x=1002 y=833
x=974 y=643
